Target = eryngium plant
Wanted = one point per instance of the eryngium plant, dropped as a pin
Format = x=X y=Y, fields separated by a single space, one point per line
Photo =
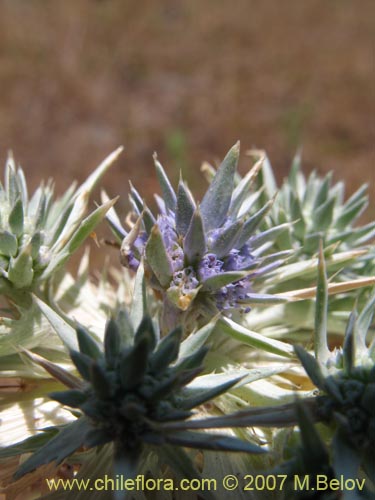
x=202 y=257
x=38 y=234
x=345 y=377
x=319 y=211
x=130 y=388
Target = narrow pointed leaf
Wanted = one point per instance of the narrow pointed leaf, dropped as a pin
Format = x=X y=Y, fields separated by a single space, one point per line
x=66 y=333
x=169 y=196
x=214 y=442
x=158 y=258
x=311 y=367
x=196 y=340
x=321 y=311
x=146 y=331
x=208 y=394
x=216 y=201
x=227 y=239
x=167 y=351
x=99 y=380
x=8 y=244
x=217 y=281
x=242 y=189
x=195 y=240
x=20 y=271
x=253 y=339
x=87 y=344
x=73 y=398
x=185 y=209
x=133 y=365
x=66 y=442
x=16 y=217
x=112 y=341
x=83 y=364
x=253 y=222
x=139 y=302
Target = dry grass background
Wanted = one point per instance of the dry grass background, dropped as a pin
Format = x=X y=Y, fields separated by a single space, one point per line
x=186 y=78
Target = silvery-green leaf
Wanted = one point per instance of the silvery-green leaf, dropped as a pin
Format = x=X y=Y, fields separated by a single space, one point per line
x=169 y=196
x=209 y=393
x=20 y=271
x=30 y=444
x=157 y=257
x=364 y=321
x=8 y=244
x=321 y=311
x=16 y=218
x=253 y=339
x=266 y=178
x=269 y=234
x=196 y=340
x=322 y=192
x=35 y=243
x=195 y=240
x=55 y=370
x=112 y=218
x=135 y=196
x=242 y=189
x=11 y=181
x=216 y=442
x=350 y=214
x=217 y=281
x=184 y=209
x=66 y=333
x=253 y=222
x=88 y=225
x=323 y=215
x=139 y=303
x=66 y=442
x=73 y=221
x=148 y=219
x=216 y=201
x=227 y=239
x=311 y=366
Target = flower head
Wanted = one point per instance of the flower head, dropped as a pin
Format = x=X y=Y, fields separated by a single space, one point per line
x=203 y=256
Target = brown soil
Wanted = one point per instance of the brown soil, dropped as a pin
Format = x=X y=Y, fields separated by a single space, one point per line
x=186 y=78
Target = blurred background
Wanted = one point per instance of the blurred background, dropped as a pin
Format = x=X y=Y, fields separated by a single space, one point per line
x=186 y=78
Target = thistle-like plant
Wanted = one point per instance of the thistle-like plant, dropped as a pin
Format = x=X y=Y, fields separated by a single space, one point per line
x=203 y=257
x=39 y=234
x=319 y=211
x=345 y=377
x=131 y=387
